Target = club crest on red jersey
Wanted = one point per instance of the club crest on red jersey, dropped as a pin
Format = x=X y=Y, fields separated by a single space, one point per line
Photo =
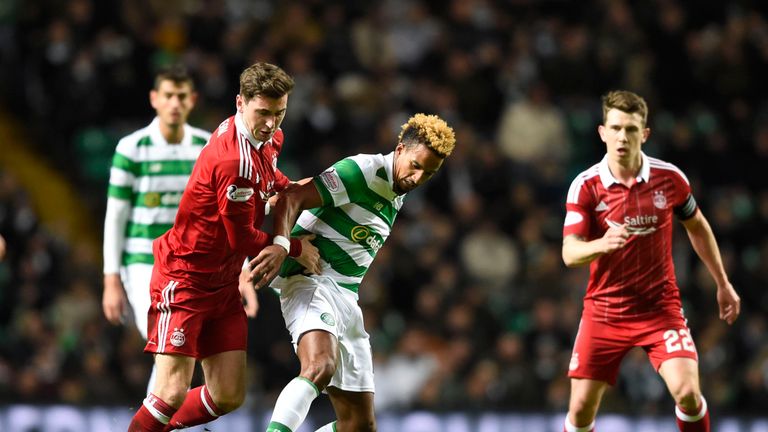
x=659 y=200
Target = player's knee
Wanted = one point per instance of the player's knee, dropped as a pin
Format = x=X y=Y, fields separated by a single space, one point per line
x=173 y=396
x=357 y=424
x=687 y=398
x=229 y=402
x=583 y=410
x=319 y=371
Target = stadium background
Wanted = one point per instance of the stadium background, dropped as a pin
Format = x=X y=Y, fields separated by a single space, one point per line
x=469 y=306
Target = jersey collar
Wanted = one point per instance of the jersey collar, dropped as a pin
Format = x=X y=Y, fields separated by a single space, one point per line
x=242 y=129
x=158 y=138
x=608 y=179
x=389 y=163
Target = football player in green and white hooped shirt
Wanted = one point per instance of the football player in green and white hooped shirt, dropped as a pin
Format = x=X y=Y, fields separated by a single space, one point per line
x=149 y=172
x=353 y=206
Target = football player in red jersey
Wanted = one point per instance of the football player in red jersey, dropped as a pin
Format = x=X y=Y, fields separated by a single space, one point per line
x=196 y=311
x=619 y=220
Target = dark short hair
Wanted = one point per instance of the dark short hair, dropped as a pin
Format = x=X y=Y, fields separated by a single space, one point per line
x=176 y=73
x=626 y=101
x=264 y=79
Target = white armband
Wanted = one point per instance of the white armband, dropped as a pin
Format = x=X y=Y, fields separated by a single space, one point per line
x=282 y=241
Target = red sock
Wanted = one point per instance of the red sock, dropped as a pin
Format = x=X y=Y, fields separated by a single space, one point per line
x=153 y=415
x=198 y=408
x=693 y=422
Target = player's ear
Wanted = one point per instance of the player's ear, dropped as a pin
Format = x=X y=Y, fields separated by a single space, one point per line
x=152 y=98
x=646 y=133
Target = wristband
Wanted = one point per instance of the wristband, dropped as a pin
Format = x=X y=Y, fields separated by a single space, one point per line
x=267 y=208
x=282 y=241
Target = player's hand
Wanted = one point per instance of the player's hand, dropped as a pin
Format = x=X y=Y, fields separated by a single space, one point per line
x=310 y=256
x=729 y=303
x=615 y=238
x=265 y=266
x=114 y=302
x=248 y=293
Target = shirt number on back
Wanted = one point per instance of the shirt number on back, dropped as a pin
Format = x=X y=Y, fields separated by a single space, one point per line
x=678 y=339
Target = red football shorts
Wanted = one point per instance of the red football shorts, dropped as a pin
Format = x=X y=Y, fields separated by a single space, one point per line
x=193 y=322
x=600 y=346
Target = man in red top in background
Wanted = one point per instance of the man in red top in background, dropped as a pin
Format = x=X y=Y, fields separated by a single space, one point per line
x=619 y=220
x=196 y=311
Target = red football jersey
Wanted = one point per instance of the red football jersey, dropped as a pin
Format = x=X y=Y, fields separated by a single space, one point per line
x=233 y=177
x=639 y=279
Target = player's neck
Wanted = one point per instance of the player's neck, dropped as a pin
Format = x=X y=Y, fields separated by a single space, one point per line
x=172 y=134
x=626 y=171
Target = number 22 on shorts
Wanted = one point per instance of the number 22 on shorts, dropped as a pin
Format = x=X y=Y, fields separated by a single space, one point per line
x=678 y=339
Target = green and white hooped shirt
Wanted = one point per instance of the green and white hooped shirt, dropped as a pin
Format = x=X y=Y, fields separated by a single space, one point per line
x=146 y=182
x=358 y=211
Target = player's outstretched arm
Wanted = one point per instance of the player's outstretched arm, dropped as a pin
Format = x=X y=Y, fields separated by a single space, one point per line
x=703 y=241
x=289 y=204
x=578 y=252
x=248 y=292
x=310 y=256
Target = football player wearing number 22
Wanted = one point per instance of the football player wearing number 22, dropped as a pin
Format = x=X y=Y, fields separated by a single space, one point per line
x=619 y=220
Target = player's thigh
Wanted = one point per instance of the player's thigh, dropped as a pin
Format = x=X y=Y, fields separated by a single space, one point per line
x=598 y=351
x=317 y=346
x=225 y=374
x=172 y=378
x=586 y=394
x=352 y=408
x=681 y=374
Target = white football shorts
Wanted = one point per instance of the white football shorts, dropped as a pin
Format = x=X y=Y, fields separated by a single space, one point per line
x=136 y=278
x=317 y=303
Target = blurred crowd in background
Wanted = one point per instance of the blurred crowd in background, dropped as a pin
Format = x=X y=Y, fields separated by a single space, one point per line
x=469 y=304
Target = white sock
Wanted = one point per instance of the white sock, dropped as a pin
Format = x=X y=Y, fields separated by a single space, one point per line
x=330 y=427
x=292 y=405
x=692 y=418
x=571 y=428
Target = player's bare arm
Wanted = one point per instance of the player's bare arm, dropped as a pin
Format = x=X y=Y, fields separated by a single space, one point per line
x=248 y=293
x=289 y=204
x=703 y=241
x=114 y=301
x=577 y=251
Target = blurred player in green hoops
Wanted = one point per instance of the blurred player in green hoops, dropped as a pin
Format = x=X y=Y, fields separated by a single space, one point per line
x=149 y=172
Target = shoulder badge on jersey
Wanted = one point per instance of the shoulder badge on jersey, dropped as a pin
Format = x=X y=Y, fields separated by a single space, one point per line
x=330 y=179
x=237 y=194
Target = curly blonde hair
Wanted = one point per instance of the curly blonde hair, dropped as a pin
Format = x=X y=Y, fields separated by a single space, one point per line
x=430 y=130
